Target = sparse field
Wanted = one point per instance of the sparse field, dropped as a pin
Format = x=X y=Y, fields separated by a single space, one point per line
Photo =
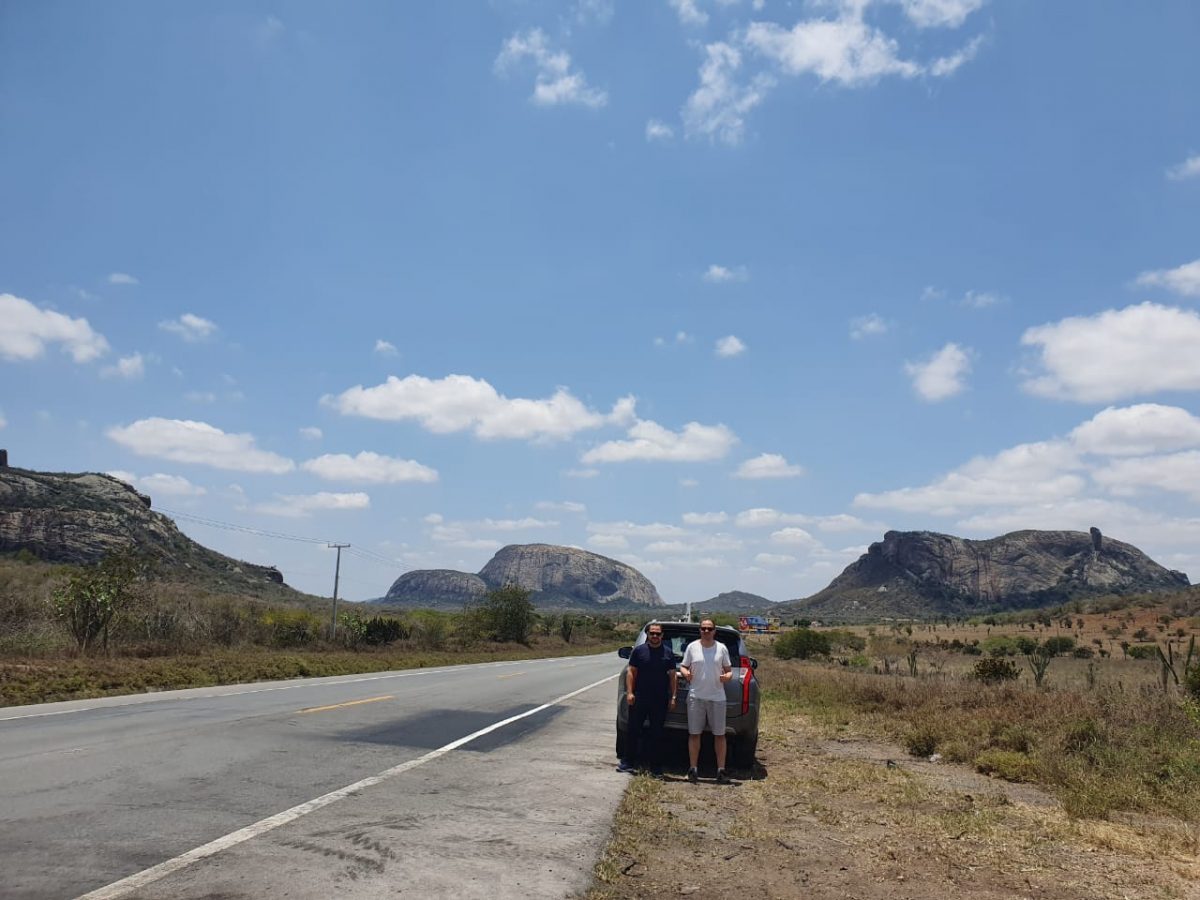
x=171 y=636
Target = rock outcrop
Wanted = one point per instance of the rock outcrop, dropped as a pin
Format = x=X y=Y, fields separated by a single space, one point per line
x=557 y=577
x=80 y=518
x=924 y=574
x=436 y=587
x=735 y=602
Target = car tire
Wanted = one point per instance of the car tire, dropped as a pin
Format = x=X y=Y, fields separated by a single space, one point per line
x=744 y=749
x=622 y=743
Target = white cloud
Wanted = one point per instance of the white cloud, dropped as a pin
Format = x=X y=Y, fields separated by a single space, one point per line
x=1174 y=472
x=433 y=519
x=555 y=83
x=689 y=13
x=1026 y=474
x=190 y=327
x=729 y=346
x=939 y=13
x=121 y=278
x=947 y=65
x=608 y=542
x=385 y=348
x=25 y=330
x=1140 y=430
x=722 y=274
x=1183 y=280
x=632 y=529
x=709 y=518
x=796 y=537
x=765 y=517
x=182 y=440
x=561 y=505
x=512 y=524
x=717 y=109
x=867 y=326
x=3 y=421
x=982 y=299
x=368 y=468
x=658 y=131
x=1189 y=168
x=681 y=337
x=582 y=473
x=688 y=483
x=1117 y=353
x=311 y=433
x=845 y=50
x=460 y=403
x=650 y=441
x=200 y=397
x=774 y=559
x=127 y=367
x=169 y=485
x=300 y=505
x=942 y=375
x=768 y=465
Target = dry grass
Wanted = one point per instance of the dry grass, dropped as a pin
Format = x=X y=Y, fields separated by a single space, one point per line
x=1100 y=751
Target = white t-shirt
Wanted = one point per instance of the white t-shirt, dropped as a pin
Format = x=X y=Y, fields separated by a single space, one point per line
x=706 y=665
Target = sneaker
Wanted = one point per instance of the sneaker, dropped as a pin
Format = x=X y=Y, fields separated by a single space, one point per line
x=656 y=772
x=627 y=768
x=722 y=778
x=693 y=775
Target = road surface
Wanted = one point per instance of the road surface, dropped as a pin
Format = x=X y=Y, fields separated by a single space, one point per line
x=427 y=782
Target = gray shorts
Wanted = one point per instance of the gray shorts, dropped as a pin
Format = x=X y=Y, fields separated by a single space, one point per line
x=711 y=712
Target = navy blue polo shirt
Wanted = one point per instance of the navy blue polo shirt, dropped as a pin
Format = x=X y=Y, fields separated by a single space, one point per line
x=654 y=665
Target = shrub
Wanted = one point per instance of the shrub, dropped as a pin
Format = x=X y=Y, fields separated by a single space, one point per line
x=993 y=670
x=1007 y=764
x=801 y=643
x=508 y=614
x=921 y=740
x=845 y=640
x=94 y=598
x=1082 y=653
x=1059 y=645
x=1143 y=651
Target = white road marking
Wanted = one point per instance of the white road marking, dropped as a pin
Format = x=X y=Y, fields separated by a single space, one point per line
x=163 y=869
x=161 y=696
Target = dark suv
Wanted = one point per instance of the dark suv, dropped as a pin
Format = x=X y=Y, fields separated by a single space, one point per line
x=741 y=692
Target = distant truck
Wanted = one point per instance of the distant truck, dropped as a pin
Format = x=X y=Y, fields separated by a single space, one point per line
x=758 y=624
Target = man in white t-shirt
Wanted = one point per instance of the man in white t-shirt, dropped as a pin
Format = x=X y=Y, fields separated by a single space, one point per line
x=707 y=667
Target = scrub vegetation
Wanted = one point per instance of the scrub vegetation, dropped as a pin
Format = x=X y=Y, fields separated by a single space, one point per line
x=70 y=632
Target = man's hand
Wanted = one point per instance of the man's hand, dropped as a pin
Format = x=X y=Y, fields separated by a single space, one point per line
x=726 y=675
x=671 y=705
x=629 y=698
x=687 y=673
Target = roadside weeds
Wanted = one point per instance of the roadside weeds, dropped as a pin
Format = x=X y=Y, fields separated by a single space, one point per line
x=851 y=818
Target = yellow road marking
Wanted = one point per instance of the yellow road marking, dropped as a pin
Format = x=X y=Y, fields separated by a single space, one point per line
x=510 y=675
x=313 y=709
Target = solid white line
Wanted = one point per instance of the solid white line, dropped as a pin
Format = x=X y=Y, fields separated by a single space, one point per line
x=163 y=869
x=163 y=696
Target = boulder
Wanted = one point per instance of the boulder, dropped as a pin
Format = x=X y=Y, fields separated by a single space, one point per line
x=566 y=574
x=436 y=587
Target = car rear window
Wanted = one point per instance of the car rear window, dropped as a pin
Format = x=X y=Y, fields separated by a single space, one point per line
x=678 y=639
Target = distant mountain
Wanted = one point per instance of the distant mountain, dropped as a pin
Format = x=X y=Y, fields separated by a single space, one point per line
x=80 y=518
x=557 y=577
x=735 y=602
x=923 y=574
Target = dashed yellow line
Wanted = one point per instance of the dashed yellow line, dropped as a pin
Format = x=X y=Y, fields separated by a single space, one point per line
x=313 y=709
x=510 y=675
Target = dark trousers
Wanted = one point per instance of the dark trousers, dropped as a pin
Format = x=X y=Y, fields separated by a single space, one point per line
x=646 y=720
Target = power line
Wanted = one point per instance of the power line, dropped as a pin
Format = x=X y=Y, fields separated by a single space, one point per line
x=245 y=529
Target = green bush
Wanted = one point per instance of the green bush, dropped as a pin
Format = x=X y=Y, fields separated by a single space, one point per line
x=993 y=670
x=1082 y=653
x=508 y=614
x=1059 y=645
x=1007 y=764
x=1143 y=651
x=921 y=740
x=845 y=640
x=801 y=643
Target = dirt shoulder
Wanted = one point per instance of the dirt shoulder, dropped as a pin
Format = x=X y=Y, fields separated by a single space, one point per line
x=850 y=818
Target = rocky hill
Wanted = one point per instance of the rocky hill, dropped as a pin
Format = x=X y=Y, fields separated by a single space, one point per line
x=735 y=602
x=923 y=574
x=79 y=518
x=558 y=577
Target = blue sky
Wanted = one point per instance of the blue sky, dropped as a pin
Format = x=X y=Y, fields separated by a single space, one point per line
x=721 y=289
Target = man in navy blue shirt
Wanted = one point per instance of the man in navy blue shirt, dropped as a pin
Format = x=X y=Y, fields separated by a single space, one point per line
x=650 y=693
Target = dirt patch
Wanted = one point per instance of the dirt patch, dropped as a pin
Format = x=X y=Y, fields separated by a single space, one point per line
x=856 y=819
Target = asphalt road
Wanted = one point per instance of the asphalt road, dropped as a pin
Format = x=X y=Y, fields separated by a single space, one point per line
x=356 y=786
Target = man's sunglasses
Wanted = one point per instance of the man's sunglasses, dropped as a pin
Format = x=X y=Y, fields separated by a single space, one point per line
x=654 y=634
x=702 y=628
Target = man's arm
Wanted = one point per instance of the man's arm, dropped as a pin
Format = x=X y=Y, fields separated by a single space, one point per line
x=726 y=668
x=630 y=683
x=673 y=678
x=685 y=666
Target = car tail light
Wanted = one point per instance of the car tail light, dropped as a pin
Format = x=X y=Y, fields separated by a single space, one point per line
x=747 y=674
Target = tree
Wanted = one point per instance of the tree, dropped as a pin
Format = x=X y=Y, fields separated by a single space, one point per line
x=509 y=614
x=93 y=599
x=801 y=643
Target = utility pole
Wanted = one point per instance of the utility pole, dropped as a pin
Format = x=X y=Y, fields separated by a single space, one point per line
x=337 y=571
